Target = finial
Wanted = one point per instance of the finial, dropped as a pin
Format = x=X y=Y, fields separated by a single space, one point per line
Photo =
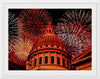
x=50 y=23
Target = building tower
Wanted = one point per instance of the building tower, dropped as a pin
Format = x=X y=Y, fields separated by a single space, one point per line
x=49 y=53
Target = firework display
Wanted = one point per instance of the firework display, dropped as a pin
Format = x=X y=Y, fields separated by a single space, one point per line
x=73 y=28
x=21 y=47
x=78 y=15
x=33 y=21
x=23 y=30
x=13 y=32
x=74 y=36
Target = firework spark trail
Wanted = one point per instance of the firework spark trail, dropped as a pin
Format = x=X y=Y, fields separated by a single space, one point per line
x=31 y=24
x=77 y=15
x=75 y=30
x=33 y=21
x=21 y=47
x=13 y=32
x=75 y=37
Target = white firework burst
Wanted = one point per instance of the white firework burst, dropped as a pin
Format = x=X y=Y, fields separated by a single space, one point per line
x=21 y=46
x=82 y=16
x=12 y=22
x=75 y=37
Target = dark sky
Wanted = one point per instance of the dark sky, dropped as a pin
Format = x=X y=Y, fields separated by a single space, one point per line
x=54 y=13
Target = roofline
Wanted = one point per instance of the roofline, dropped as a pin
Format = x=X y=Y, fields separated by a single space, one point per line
x=84 y=52
x=75 y=62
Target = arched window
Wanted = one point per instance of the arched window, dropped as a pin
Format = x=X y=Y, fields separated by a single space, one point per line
x=63 y=62
x=52 y=59
x=40 y=46
x=46 y=59
x=58 y=60
x=51 y=45
x=35 y=62
x=46 y=45
x=49 y=31
x=40 y=60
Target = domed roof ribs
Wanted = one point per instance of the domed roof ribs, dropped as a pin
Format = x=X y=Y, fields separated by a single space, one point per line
x=49 y=38
x=49 y=30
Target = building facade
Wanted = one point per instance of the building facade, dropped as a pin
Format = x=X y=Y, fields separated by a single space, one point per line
x=49 y=53
x=83 y=61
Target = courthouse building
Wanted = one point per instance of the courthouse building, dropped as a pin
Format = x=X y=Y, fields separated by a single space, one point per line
x=51 y=53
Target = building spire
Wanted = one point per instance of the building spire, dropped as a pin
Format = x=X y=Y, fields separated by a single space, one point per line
x=49 y=28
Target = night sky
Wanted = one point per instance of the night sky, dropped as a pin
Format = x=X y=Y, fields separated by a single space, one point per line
x=54 y=13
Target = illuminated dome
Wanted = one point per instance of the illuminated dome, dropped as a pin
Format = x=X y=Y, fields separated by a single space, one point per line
x=49 y=53
x=49 y=38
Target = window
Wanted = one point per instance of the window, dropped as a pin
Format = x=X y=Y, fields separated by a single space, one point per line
x=40 y=60
x=46 y=45
x=48 y=30
x=57 y=46
x=35 y=62
x=51 y=45
x=40 y=46
x=46 y=59
x=58 y=60
x=52 y=59
x=63 y=62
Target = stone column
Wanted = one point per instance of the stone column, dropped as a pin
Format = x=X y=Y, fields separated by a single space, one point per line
x=55 y=58
x=43 y=59
x=49 y=58
x=65 y=62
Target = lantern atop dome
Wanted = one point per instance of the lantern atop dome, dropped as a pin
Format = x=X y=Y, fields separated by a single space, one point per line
x=49 y=29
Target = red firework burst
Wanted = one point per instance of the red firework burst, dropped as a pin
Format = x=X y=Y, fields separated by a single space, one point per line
x=33 y=21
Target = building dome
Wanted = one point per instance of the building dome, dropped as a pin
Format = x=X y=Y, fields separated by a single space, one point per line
x=49 y=38
x=49 y=53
